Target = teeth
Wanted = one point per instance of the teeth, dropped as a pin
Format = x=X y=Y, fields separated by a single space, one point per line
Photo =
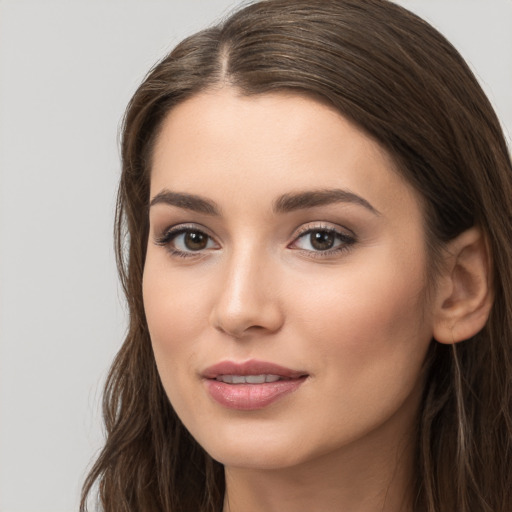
x=255 y=379
x=248 y=379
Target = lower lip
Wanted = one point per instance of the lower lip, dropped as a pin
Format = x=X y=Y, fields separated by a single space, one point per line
x=250 y=397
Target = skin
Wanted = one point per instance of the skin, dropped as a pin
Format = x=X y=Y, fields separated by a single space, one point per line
x=357 y=321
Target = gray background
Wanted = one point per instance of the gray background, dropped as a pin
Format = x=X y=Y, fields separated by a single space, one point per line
x=67 y=70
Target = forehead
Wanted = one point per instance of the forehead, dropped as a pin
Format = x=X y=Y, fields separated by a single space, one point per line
x=223 y=144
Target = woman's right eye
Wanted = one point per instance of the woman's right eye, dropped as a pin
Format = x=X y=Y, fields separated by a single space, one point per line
x=183 y=241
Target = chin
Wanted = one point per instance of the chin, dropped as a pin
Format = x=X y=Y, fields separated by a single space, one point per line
x=261 y=448
x=257 y=458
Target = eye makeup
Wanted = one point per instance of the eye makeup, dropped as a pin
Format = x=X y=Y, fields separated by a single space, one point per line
x=186 y=241
x=316 y=240
x=323 y=240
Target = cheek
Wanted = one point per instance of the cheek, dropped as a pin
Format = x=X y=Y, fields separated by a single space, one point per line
x=175 y=317
x=173 y=299
x=360 y=298
x=372 y=324
x=367 y=344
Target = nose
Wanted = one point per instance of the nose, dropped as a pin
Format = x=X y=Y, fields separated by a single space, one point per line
x=248 y=299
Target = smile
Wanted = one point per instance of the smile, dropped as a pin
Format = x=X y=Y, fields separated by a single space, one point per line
x=251 y=385
x=248 y=379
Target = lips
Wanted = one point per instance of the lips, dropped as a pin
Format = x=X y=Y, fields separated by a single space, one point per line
x=250 y=385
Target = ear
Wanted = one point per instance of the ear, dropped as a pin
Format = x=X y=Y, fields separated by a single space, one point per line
x=464 y=294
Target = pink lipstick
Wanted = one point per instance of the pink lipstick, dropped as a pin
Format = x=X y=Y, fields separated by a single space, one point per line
x=250 y=385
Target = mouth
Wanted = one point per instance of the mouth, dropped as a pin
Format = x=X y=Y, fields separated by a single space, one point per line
x=250 y=385
x=249 y=379
x=251 y=369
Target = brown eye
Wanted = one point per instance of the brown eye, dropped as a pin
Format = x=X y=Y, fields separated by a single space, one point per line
x=322 y=240
x=195 y=240
x=183 y=241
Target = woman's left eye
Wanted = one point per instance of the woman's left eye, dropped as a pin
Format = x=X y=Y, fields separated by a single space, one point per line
x=323 y=240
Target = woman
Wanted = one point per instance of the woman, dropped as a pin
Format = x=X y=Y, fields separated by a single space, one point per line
x=313 y=231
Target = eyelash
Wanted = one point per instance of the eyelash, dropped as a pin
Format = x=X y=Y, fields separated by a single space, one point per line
x=172 y=233
x=347 y=241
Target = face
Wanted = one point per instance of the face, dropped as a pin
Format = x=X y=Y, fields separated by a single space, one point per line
x=284 y=284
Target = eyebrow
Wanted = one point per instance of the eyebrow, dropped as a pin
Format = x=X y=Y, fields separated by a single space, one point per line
x=186 y=201
x=283 y=204
x=310 y=199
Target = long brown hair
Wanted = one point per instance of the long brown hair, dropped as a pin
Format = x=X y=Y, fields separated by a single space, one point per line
x=400 y=80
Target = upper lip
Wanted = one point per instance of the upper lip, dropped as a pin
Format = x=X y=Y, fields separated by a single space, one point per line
x=251 y=367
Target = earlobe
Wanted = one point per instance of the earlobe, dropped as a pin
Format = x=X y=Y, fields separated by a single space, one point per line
x=464 y=294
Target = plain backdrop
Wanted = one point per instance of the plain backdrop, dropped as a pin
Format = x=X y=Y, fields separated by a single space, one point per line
x=67 y=70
